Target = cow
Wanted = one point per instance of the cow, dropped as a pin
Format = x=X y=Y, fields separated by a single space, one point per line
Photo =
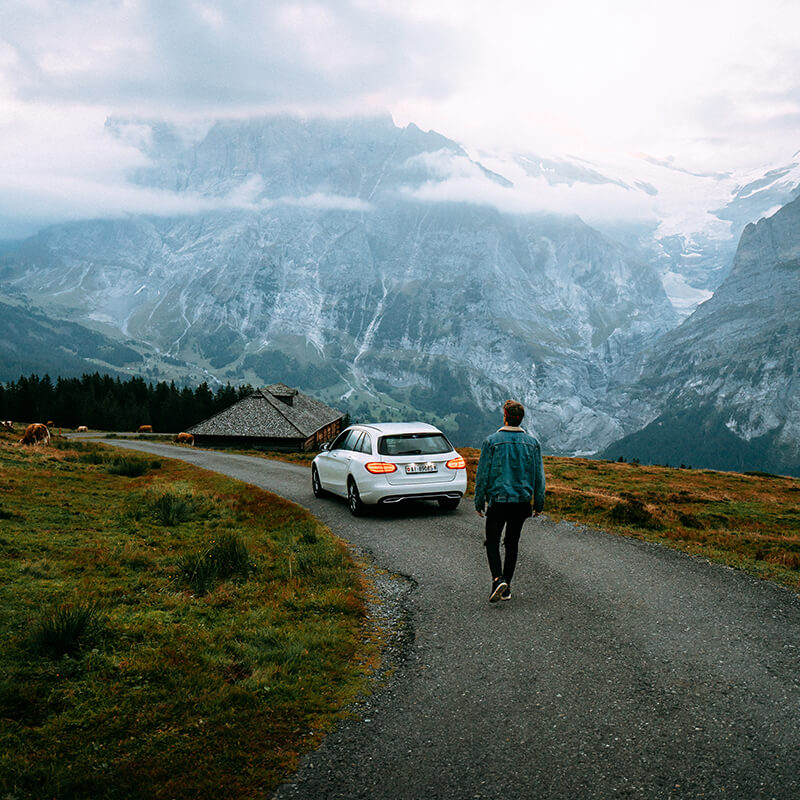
x=7 y=425
x=185 y=438
x=36 y=433
x=82 y=429
x=145 y=429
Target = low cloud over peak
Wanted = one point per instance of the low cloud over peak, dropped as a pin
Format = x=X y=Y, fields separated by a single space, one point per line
x=716 y=87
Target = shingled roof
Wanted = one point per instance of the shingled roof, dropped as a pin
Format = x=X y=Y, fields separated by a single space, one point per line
x=276 y=412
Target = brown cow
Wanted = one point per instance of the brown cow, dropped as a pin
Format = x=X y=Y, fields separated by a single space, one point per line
x=145 y=429
x=185 y=438
x=36 y=433
x=7 y=425
x=82 y=429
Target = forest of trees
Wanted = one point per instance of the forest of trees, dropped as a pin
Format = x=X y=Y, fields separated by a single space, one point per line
x=105 y=403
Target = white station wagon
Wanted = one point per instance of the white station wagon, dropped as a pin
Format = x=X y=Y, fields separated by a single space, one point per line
x=389 y=463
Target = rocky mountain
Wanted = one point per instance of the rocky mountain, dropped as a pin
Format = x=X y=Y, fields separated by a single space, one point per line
x=369 y=265
x=726 y=383
x=306 y=252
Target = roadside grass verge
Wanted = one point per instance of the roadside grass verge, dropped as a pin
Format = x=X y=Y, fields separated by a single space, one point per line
x=123 y=673
x=304 y=459
x=751 y=522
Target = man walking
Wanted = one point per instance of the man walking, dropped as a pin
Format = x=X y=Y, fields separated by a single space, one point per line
x=510 y=477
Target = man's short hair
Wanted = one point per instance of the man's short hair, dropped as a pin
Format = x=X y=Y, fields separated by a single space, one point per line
x=514 y=412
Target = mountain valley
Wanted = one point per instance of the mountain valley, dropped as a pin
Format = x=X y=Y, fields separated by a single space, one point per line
x=333 y=255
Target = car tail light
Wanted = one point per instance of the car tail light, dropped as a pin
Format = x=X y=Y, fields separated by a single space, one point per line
x=380 y=467
x=457 y=463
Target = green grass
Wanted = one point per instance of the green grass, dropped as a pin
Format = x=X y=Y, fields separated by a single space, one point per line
x=119 y=678
x=66 y=631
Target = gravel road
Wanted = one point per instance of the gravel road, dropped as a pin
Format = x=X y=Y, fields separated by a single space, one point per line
x=619 y=669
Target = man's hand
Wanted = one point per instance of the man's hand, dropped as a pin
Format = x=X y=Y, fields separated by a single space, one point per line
x=479 y=512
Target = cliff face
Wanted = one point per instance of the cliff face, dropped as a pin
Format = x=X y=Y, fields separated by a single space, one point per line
x=730 y=371
x=307 y=259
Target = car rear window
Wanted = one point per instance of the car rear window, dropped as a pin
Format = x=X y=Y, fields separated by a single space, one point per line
x=413 y=444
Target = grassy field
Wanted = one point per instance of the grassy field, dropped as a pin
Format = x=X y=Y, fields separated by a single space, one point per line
x=751 y=522
x=167 y=632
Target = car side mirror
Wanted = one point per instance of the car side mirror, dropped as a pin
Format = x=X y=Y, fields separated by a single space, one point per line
x=325 y=446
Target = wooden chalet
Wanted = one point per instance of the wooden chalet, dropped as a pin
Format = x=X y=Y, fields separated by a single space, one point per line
x=275 y=417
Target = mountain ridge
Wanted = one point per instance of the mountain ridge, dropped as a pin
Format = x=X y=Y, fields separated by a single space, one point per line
x=310 y=252
x=730 y=371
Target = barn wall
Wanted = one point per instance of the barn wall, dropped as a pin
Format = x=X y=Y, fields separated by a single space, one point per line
x=325 y=434
x=247 y=442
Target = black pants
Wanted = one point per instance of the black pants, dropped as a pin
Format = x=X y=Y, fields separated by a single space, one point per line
x=510 y=516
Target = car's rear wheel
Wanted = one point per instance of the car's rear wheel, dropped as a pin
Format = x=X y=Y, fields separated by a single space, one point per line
x=449 y=503
x=354 y=499
x=316 y=484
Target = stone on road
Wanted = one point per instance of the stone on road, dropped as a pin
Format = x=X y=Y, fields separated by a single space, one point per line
x=619 y=669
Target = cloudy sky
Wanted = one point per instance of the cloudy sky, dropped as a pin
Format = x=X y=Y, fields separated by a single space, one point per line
x=708 y=85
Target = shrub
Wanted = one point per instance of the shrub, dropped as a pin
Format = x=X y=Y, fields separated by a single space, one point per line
x=689 y=520
x=227 y=557
x=92 y=456
x=66 y=444
x=231 y=556
x=197 y=572
x=129 y=467
x=67 y=630
x=632 y=511
x=171 y=509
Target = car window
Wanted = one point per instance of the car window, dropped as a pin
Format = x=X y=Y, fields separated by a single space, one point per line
x=339 y=441
x=365 y=445
x=352 y=440
x=413 y=444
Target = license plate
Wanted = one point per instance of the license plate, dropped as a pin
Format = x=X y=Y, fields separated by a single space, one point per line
x=414 y=468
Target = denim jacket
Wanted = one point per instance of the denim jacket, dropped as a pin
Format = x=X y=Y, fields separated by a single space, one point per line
x=510 y=470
